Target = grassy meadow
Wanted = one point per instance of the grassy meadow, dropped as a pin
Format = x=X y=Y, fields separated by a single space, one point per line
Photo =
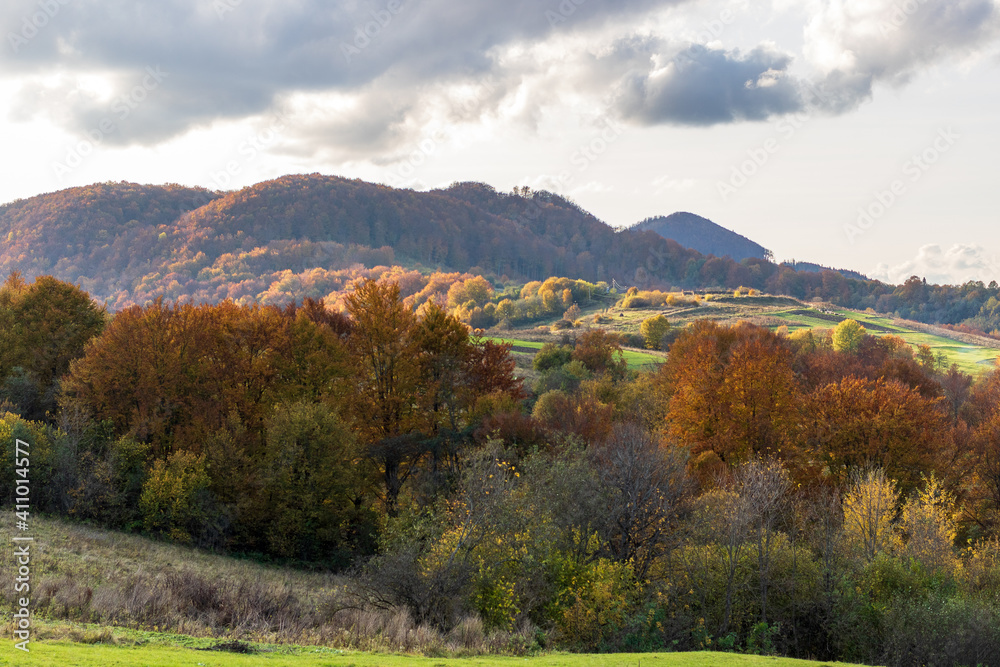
x=973 y=354
x=82 y=655
x=104 y=599
x=162 y=651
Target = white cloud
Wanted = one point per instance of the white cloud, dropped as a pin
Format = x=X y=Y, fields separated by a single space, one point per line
x=856 y=43
x=958 y=264
x=668 y=183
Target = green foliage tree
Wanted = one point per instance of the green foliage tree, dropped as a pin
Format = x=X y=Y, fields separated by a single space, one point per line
x=174 y=498
x=314 y=479
x=44 y=326
x=552 y=356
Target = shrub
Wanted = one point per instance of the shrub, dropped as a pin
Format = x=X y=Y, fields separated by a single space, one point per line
x=174 y=498
x=594 y=598
x=552 y=356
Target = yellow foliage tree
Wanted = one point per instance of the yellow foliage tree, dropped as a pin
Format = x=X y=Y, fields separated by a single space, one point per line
x=653 y=329
x=869 y=508
x=847 y=336
x=930 y=526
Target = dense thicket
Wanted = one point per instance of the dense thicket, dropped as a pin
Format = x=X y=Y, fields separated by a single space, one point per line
x=828 y=494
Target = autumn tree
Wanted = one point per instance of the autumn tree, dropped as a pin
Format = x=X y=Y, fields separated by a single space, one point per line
x=956 y=387
x=143 y=374
x=858 y=422
x=386 y=382
x=653 y=330
x=489 y=370
x=733 y=392
x=172 y=375
x=601 y=352
x=444 y=350
x=981 y=487
x=870 y=505
x=476 y=289
x=847 y=336
x=930 y=525
x=44 y=325
x=582 y=415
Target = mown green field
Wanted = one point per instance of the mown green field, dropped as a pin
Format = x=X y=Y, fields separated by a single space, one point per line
x=633 y=358
x=773 y=312
x=973 y=359
x=102 y=655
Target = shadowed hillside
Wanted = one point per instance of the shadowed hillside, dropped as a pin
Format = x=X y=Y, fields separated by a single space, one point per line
x=703 y=235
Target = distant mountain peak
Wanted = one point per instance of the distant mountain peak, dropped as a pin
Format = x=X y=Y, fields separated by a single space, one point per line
x=701 y=234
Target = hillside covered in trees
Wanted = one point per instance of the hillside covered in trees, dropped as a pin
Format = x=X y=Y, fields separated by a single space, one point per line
x=823 y=493
x=307 y=236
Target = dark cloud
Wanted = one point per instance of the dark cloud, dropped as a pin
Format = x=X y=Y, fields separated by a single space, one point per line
x=885 y=41
x=232 y=58
x=705 y=86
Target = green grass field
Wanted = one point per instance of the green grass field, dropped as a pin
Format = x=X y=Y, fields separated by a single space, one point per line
x=150 y=655
x=634 y=359
x=973 y=359
x=974 y=356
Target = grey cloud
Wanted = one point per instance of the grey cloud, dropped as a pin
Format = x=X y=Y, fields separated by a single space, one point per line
x=881 y=41
x=231 y=58
x=891 y=40
x=705 y=86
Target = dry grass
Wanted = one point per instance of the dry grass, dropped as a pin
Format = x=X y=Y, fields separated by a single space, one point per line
x=85 y=575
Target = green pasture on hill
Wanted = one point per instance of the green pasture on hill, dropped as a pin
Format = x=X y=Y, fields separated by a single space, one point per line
x=973 y=359
x=632 y=358
x=102 y=655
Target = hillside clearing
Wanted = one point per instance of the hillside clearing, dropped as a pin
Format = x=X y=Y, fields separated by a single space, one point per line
x=973 y=354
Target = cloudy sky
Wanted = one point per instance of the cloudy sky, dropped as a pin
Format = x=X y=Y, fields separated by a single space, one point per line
x=855 y=133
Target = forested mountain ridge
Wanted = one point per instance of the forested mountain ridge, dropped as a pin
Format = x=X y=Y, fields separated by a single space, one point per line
x=102 y=236
x=128 y=243
x=310 y=235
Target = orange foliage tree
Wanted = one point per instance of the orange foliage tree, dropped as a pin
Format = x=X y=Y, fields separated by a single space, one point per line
x=414 y=376
x=733 y=393
x=859 y=422
x=172 y=375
